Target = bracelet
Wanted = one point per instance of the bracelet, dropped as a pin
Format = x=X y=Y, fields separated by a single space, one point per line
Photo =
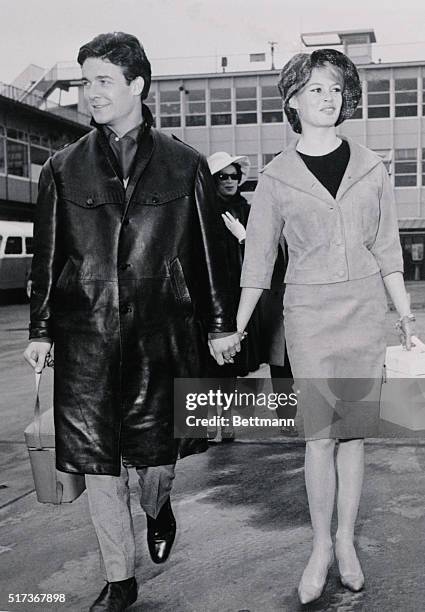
x=406 y=319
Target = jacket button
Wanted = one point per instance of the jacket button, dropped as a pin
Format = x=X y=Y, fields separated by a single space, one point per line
x=126 y=309
x=125 y=266
x=155 y=200
x=90 y=201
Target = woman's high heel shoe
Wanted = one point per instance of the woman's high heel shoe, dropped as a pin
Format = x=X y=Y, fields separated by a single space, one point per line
x=310 y=588
x=351 y=575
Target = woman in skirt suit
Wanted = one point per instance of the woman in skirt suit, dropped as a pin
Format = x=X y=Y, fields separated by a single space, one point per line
x=331 y=200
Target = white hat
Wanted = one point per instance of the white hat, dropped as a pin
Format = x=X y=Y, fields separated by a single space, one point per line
x=220 y=160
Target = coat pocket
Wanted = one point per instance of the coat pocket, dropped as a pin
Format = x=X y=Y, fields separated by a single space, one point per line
x=178 y=282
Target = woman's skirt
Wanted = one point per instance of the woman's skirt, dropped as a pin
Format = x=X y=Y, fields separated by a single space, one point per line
x=335 y=335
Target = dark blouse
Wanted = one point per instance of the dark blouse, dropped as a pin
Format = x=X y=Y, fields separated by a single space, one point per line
x=329 y=169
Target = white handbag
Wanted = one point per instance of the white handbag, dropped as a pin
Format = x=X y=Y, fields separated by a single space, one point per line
x=51 y=485
x=403 y=389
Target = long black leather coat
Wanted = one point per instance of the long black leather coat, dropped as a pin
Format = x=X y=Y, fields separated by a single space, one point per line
x=126 y=283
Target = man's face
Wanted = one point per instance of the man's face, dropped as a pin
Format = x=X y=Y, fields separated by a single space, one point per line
x=111 y=100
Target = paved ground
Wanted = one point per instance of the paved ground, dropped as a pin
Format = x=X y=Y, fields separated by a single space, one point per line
x=244 y=533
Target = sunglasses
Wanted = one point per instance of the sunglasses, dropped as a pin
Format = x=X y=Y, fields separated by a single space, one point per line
x=224 y=177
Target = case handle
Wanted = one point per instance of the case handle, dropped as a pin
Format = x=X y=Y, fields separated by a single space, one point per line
x=37 y=415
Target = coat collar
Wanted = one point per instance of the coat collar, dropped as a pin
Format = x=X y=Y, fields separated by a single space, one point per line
x=289 y=168
x=143 y=154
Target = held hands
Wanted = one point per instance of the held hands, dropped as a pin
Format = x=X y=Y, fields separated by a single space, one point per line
x=37 y=354
x=224 y=349
x=234 y=226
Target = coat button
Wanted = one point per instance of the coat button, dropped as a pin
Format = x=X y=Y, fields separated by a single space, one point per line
x=125 y=266
x=126 y=309
x=155 y=200
x=90 y=201
x=126 y=222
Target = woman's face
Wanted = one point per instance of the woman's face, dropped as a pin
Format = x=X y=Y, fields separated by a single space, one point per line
x=227 y=181
x=318 y=103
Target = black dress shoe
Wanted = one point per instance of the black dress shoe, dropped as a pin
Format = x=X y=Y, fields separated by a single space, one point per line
x=116 y=596
x=161 y=533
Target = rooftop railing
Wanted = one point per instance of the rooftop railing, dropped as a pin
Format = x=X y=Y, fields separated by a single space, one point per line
x=37 y=101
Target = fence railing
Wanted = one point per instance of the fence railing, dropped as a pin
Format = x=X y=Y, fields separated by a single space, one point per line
x=37 y=101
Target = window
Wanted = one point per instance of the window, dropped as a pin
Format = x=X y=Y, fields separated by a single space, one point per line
x=2 y=154
x=423 y=167
x=246 y=105
x=170 y=108
x=221 y=107
x=378 y=99
x=28 y=245
x=271 y=105
x=267 y=157
x=17 y=134
x=358 y=113
x=406 y=97
x=38 y=157
x=13 y=246
x=405 y=168
x=423 y=97
x=413 y=247
x=195 y=107
x=151 y=103
x=17 y=158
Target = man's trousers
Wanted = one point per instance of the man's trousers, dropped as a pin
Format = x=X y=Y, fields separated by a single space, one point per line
x=109 y=503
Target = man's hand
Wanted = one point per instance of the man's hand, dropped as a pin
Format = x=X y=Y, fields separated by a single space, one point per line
x=36 y=354
x=224 y=349
x=234 y=226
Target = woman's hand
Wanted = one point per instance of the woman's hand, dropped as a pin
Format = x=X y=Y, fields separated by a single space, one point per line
x=405 y=327
x=234 y=226
x=224 y=349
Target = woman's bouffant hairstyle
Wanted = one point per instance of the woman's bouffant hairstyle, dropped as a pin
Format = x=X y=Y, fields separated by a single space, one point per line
x=297 y=72
x=123 y=50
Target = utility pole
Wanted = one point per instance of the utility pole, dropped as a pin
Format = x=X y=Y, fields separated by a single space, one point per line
x=272 y=46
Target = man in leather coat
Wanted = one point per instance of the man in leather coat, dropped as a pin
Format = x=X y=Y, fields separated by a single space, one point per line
x=128 y=282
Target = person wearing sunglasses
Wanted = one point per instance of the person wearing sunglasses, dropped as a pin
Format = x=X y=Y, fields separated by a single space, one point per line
x=229 y=173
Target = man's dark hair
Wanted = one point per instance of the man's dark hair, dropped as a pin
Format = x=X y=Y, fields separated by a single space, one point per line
x=122 y=50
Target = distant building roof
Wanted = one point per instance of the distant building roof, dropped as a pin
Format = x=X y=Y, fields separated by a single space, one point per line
x=335 y=37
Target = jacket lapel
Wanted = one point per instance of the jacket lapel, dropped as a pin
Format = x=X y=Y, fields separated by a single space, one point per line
x=361 y=162
x=143 y=155
x=290 y=169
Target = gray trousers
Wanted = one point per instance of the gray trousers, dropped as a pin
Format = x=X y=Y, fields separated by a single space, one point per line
x=109 y=503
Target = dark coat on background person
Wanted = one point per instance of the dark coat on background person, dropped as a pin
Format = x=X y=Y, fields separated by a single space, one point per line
x=127 y=283
x=270 y=309
x=249 y=359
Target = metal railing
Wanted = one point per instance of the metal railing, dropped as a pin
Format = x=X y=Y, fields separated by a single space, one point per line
x=37 y=101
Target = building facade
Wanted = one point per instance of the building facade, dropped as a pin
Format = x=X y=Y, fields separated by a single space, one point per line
x=28 y=136
x=242 y=113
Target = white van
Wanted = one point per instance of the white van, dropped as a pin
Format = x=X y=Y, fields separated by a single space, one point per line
x=15 y=254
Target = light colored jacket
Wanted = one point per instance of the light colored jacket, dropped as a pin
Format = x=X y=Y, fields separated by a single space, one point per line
x=329 y=239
